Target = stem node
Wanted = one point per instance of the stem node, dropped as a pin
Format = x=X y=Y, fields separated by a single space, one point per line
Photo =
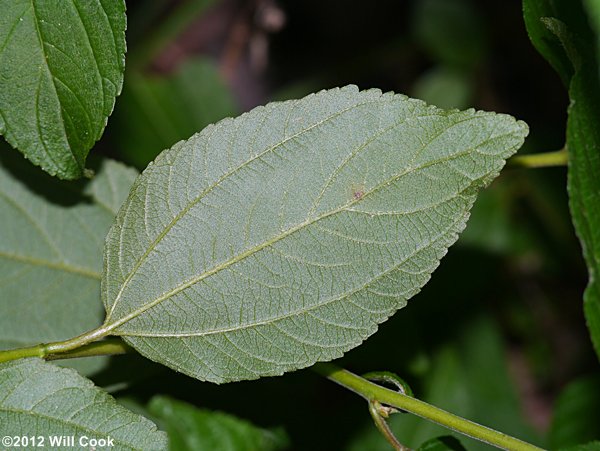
x=374 y=393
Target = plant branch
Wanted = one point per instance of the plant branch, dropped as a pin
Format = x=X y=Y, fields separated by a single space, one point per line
x=21 y=353
x=373 y=392
x=540 y=160
x=108 y=346
x=55 y=349
x=376 y=411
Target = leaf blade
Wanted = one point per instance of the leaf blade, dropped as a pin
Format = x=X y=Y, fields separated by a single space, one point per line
x=574 y=417
x=287 y=184
x=192 y=428
x=535 y=14
x=40 y=399
x=61 y=68
x=51 y=240
x=579 y=45
x=443 y=443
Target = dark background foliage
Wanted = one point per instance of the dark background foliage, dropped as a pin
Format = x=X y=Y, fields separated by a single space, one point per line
x=499 y=332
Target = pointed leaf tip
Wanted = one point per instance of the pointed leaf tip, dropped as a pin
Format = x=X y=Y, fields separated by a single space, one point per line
x=61 y=68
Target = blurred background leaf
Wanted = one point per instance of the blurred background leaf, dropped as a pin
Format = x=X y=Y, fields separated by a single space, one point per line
x=576 y=414
x=445 y=87
x=452 y=32
x=156 y=111
x=467 y=377
x=444 y=443
x=592 y=446
x=190 y=428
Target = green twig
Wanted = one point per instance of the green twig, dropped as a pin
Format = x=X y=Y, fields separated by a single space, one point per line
x=380 y=398
x=49 y=350
x=389 y=378
x=379 y=415
x=82 y=346
x=373 y=392
x=21 y=353
x=108 y=346
x=540 y=160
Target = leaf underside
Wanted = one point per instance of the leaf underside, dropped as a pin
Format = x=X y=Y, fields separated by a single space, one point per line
x=40 y=399
x=284 y=237
x=61 y=67
x=51 y=250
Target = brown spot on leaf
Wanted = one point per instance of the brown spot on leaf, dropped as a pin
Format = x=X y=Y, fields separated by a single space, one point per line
x=357 y=191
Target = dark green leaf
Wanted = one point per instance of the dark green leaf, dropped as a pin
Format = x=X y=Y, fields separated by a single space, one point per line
x=155 y=112
x=61 y=67
x=190 y=428
x=445 y=87
x=451 y=31
x=40 y=399
x=494 y=226
x=160 y=22
x=592 y=8
x=592 y=446
x=536 y=14
x=583 y=140
x=566 y=20
x=284 y=237
x=444 y=443
x=576 y=414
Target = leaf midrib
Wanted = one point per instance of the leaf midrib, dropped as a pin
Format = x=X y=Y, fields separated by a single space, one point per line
x=305 y=309
x=50 y=155
x=207 y=190
x=107 y=326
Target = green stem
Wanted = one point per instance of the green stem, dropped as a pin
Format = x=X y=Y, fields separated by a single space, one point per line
x=108 y=346
x=375 y=411
x=49 y=350
x=541 y=160
x=21 y=353
x=373 y=392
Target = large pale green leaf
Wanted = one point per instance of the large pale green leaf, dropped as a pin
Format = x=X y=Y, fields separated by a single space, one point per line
x=61 y=67
x=576 y=44
x=40 y=399
x=51 y=239
x=190 y=429
x=283 y=237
